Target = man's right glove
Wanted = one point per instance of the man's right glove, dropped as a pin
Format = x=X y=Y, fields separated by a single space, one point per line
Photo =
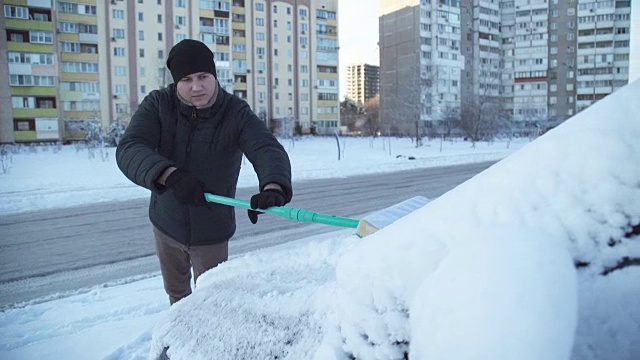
x=263 y=200
x=186 y=187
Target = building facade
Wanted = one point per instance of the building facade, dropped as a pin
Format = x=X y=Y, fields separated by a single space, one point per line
x=75 y=61
x=362 y=83
x=531 y=61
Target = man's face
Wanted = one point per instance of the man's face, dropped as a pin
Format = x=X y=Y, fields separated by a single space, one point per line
x=197 y=89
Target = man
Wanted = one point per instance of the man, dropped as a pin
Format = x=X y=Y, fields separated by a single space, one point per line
x=188 y=139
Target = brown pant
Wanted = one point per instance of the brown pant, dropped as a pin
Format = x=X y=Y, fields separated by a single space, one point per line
x=177 y=259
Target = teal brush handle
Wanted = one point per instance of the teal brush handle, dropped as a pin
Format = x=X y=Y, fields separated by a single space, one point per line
x=287 y=212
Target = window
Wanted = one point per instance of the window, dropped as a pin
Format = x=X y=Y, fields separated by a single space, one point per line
x=140 y=35
x=23 y=102
x=67 y=47
x=117 y=14
x=16 y=37
x=180 y=3
x=43 y=37
x=141 y=53
x=159 y=19
x=79 y=67
x=16 y=12
x=120 y=89
x=118 y=33
x=159 y=36
x=118 y=51
x=81 y=86
x=140 y=16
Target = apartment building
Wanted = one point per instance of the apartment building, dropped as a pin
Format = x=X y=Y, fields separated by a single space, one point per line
x=362 y=83
x=420 y=61
x=29 y=78
x=603 y=47
x=530 y=67
x=533 y=61
x=482 y=52
x=76 y=60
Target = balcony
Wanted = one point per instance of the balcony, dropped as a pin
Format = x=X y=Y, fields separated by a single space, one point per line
x=33 y=91
x=23 y=24
x=29 y=47
x=88 y=38
x=23 y=136
x=214 y=30
x=35 y=113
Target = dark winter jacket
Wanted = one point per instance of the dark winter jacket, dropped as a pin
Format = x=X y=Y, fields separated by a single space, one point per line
x=209 y=143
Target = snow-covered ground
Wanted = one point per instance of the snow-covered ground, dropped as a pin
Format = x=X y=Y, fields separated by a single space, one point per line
x=53 y=178
x=486 y=271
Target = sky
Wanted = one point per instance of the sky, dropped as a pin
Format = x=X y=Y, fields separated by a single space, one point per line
x=358 y=29
x=489 y=264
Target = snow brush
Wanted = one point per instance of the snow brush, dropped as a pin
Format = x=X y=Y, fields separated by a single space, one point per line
x=366 y=226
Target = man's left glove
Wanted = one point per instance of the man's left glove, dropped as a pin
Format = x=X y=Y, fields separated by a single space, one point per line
x=186 y=187
x=265 y=199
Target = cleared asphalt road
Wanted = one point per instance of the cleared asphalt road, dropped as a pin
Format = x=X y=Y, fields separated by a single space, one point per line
x=52 y=253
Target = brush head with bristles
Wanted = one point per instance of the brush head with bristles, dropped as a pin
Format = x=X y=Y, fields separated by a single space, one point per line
x=385 y=217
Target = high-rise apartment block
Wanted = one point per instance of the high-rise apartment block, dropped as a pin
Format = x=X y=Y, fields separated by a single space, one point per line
x=69 y=61
x=525 y=60
x=362 y=82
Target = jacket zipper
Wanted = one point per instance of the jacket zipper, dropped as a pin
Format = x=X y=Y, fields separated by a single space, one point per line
x=194 y=124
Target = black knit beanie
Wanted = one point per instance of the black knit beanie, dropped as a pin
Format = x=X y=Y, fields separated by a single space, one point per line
x=189 y=57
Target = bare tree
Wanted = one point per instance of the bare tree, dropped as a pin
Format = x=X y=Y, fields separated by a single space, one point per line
x=403 y=102
x=485 y=114
x=371 y=124
x=349 y=114
x=6 y=158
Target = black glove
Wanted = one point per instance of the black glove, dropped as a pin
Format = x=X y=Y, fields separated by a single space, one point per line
x=186 y=187
x=265 y=199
